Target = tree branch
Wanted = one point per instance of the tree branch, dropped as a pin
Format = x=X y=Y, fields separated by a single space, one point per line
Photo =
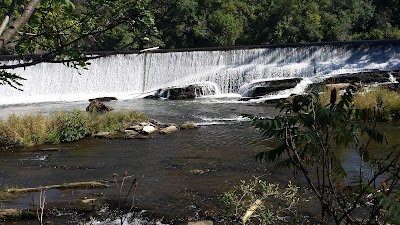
x=6 y=37
x=8 y=16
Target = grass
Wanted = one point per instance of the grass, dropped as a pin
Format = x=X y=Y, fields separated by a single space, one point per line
x=34 y=129
x=387 y=101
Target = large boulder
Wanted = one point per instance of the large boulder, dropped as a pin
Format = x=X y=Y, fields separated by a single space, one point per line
x=261 y=88
x=149 y=130
x=97 y=106
x=183 y=92
x=175 y=93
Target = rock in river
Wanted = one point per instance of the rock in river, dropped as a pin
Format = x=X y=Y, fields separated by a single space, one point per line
x=97 y=106
x=168 y=130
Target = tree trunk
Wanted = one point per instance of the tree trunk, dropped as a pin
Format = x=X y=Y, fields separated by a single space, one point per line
x=6 y=37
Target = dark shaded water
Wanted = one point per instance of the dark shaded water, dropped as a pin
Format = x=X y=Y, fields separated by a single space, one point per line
x=179 y=174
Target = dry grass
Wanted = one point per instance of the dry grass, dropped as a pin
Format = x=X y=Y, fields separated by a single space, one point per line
x=386 y=100
x=23 y=130
x=31 y=129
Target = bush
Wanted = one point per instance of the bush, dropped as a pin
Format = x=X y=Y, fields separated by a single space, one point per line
x=23 y=130
x=268 y=203
x=72 y=125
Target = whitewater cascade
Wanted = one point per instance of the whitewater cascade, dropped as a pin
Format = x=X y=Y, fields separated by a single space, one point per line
x=131 y=75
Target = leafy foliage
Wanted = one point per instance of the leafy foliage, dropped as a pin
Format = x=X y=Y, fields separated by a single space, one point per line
x=73 y=127
x=11 y=79
x=311 y=136
x=275 y=204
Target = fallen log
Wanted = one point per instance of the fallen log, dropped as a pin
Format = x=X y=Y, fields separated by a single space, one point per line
x=74 y=185
x=9 y=214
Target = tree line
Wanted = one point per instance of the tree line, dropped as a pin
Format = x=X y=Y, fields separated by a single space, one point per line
x=194 y=23
x=204 y=23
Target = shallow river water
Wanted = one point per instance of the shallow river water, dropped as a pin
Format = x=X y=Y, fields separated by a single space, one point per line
x=179 y=175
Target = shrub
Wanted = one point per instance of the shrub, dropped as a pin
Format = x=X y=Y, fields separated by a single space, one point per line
x=112 y=121
x=72 y=125
x=268 y=203
x=25 y=130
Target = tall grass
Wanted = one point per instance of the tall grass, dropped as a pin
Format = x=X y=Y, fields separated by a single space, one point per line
x=29 y=130
x=383 y=101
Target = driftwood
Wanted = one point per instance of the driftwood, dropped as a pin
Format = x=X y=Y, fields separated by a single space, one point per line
x=75 y=185
x=8 y=214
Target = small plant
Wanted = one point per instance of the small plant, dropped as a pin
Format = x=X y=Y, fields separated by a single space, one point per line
x=259 y=202
x=73 y=126
x=126 y=195
x=41 y=206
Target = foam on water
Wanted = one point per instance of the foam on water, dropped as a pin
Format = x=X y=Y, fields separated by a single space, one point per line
x=128 y=219
x=205 y=121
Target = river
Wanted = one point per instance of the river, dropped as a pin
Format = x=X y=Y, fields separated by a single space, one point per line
x=179 y=174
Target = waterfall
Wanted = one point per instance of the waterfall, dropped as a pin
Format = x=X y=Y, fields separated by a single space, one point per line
x=130 y=75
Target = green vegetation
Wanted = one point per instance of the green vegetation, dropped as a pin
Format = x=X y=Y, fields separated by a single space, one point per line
x=29 y=130
x=382 y=101
x=130 y=24
x=199 y=23
x=310 y=135
x=259 y=202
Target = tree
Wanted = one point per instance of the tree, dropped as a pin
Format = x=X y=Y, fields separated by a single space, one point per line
x=224 y=27
x=311 y=136
x=60 y=32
